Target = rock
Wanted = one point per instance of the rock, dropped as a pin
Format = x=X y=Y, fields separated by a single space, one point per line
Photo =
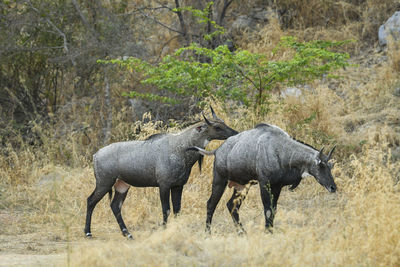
x=291 y=91
x=396 y=154
x=396 y=91
x=51 y=178
x=138 y=108
x=264 y=15
x=243 y=23
x=256 y=18
x=390 y=28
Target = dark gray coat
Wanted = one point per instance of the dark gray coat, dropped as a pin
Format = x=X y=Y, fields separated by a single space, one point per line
x=270 y=156
x=160 y=161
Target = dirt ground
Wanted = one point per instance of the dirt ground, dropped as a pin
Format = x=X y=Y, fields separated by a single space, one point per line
x=14 y=251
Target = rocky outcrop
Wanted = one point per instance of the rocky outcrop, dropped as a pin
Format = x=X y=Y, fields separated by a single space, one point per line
x=390 y=30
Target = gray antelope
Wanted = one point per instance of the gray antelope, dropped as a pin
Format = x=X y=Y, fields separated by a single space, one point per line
x=270 y=156
x=160 y=161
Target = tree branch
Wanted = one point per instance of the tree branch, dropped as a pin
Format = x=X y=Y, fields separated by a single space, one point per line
x=108 y=123
x=65 y=43
x=144 y=8
x=181 y=21
x=166 y=43
x=160 y=23
x=85 y=21
x=227 y=3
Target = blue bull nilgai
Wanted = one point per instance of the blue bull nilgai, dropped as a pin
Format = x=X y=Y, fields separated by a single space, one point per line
x=160 y=161
x=270 y=156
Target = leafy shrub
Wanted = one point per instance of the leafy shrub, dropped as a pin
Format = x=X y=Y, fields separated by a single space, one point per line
x=241 y=75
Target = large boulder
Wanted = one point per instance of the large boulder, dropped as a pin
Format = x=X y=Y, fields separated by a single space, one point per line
x=390 y=28
x=256 y=18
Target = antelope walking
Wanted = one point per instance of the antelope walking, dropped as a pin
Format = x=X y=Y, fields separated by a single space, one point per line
x=160 y=161
x=267 y=154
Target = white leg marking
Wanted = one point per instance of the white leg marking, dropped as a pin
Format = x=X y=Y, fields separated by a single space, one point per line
x=268 y=213
x=206 y=143
x=121 y=186
x=305 y=174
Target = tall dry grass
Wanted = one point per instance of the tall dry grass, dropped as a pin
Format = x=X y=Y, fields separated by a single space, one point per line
x=357 y=20
x=359 y=225
x=43 y=187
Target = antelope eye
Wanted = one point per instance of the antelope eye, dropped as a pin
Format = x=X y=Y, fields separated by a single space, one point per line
x=218 y=128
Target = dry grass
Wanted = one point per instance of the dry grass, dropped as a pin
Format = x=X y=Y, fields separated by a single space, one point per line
x=43 y=189
x=359 y=225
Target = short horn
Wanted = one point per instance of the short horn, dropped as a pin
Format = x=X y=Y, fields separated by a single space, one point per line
x=213 y=113
x=320 y=152
x=207 y=121
x=330 y=152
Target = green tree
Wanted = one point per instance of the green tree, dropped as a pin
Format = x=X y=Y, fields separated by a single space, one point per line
x=241 y=75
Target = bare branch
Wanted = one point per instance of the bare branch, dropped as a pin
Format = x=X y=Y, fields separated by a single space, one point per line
x=160 y=23
x=210 y=17
x=143 y=9
x=13 y=96
x=84 y=20
x=166 y=43
x=65 y=43
x=108 y=123
x=227 y=3
x=181 y=21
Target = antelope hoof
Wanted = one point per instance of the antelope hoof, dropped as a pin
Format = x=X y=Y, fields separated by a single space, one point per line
x=88 y=235
x=269 y=230
x=127 y=234
x=208 y=230
x=241 y=232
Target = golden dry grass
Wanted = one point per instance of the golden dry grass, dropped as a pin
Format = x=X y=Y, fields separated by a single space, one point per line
x=43 y=211
x=359 y=225
x=43 y=190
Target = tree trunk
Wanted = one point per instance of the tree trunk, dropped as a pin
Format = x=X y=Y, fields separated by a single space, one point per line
x=108 y=109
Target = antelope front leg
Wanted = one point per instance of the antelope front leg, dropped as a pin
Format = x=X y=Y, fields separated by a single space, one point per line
x=164 y=197
x=218 y=188
x=176 y=196
x=269 y=212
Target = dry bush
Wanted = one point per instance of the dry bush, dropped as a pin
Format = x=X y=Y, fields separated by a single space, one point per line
x=304 y=14
x=324 y=20
x=394 y=55
x=365 y=16
x=267 y=39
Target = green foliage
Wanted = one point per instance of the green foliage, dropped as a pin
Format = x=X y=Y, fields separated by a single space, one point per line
x=241 y=76
x=203 y=16
x=151 y=97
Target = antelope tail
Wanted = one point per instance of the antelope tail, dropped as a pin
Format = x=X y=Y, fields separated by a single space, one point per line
x=201 y=151
x=110 y=194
